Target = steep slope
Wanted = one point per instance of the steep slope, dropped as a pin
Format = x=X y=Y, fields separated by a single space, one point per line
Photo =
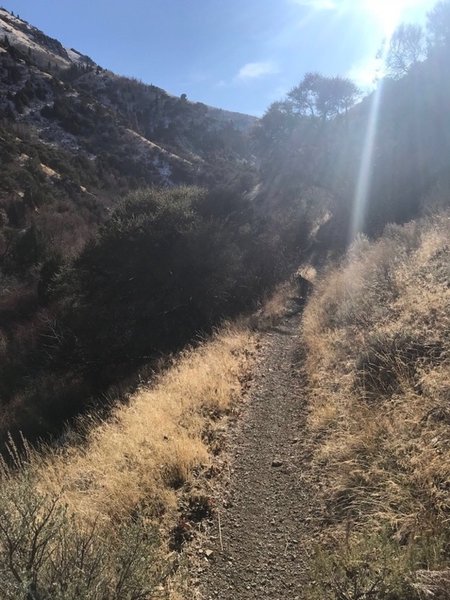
x=74 y=103
x=75 y=134
x=401 y=130
x=31 y=40
x=75 y=140
x=337 y=474
x=378 y=371
x=106 y=512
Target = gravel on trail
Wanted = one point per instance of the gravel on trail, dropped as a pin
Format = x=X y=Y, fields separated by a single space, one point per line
x=256 y=546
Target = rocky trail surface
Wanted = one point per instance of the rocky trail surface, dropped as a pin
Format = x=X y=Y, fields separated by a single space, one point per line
x=256 y=546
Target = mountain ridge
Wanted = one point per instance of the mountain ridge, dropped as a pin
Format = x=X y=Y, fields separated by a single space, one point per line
x=63 y=94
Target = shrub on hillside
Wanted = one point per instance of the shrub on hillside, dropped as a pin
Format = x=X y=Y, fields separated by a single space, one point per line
x=45 y=553
x=163 y=268
x=373 y=567
x=376 y=331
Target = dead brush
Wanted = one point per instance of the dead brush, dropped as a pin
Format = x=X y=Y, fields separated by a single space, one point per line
x=149 y=448
x=287 y=299
x=273 y=309
x=46 y=551
x=434 y=585
x=97 y=520
x=387 y=360
x=372 y=567
x=378 y=366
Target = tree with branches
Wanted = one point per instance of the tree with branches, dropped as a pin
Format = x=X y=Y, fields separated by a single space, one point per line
x=323 y=97
x=406 y=49
x=438 y=26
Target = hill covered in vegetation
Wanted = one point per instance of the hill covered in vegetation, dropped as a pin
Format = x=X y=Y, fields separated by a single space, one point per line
x=132 y=224
x=133 y=221
x=377 y=364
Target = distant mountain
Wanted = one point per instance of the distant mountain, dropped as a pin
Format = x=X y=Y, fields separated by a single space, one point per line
x=138 y=130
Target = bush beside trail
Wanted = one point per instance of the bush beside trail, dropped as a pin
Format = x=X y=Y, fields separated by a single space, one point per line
x=376 y=334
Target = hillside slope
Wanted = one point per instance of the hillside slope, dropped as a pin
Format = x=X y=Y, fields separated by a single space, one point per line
x=335 y=483
x=69 y=99
x=73 y=133
x=101 y=517
x=75 y=138
x=75 y=141
x=376 y=333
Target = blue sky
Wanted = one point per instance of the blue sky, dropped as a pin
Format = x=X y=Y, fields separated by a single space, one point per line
x=236 y=54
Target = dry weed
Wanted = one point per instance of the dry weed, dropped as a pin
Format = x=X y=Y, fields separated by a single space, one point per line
x=274 y=308
x=378 y=364
x=115 y=495
x=150 y=447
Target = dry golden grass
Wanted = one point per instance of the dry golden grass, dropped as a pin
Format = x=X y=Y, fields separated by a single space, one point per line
x=378 y=365
x=96 y=505
x=277 y=305
x=274 y=308
x=151 y=446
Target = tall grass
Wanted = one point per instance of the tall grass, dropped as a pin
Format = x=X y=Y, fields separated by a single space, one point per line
x=151 y=447
x=378 y=366
x=91 y=521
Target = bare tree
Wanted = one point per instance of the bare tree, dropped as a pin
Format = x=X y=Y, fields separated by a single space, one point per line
x=406 y=48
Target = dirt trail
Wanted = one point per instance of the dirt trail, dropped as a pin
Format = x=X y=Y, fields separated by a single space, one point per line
x=269 y=501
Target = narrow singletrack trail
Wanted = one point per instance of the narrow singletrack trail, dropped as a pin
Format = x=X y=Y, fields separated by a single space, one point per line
x=270 y=503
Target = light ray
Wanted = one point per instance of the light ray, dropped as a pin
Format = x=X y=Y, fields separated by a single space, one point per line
x=366 y=167
x=389 y=14
x=365 y=170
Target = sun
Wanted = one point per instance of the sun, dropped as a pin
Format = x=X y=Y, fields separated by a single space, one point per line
x=389 y=13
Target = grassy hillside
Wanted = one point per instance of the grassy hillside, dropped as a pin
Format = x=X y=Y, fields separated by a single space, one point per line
x=75 y=141
x=106 y=264
x=376 y=333
x=124 y=493
x=99 y=519
x=132 y=224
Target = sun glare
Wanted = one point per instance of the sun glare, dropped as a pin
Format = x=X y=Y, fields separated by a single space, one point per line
x=389 y=13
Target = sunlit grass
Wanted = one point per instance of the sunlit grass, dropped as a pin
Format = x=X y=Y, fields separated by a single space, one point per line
x=150 y=447
x=101 y=510
x=378 y=365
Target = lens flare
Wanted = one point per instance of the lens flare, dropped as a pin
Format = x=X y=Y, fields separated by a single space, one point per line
x=365 y=169
x=389 y=14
